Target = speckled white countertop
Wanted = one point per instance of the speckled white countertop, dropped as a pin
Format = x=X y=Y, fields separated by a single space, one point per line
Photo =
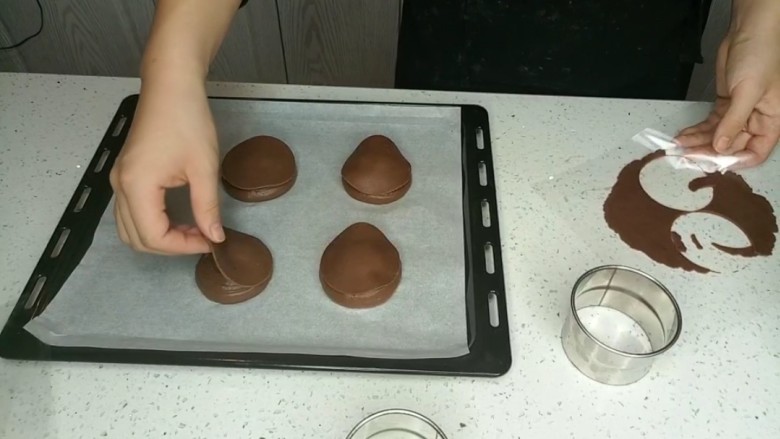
x=722 y=379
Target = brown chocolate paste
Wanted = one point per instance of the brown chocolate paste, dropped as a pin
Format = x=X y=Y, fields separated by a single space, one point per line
x=696 y=241
x=646 y=225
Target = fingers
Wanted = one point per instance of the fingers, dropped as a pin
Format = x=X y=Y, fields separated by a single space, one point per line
x=178 y=240
x=120 y=227
x=747 y=159
x=740 y=142
x=744 y=98
x=750 y=150
x=757 y=151
x=187 y=229
x=126 y=221
x=204 y=196
x=706 y=125
x=142 y=222
x=698 y=151
x=699 y=134
x=145 y=204
x=694 y=139
x=721 y=59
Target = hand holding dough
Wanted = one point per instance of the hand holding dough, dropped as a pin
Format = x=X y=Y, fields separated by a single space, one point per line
x=236 y=270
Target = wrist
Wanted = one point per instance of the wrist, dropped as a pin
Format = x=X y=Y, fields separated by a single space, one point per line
x=168 y=76
x=162 y=92
x=748 y=15
x=159 y=66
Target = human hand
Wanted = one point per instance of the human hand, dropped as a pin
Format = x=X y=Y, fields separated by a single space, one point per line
x=172 y=142
x=745 y=121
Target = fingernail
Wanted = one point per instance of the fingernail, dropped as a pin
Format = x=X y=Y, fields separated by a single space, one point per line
x=217 y=233
x=723 y=144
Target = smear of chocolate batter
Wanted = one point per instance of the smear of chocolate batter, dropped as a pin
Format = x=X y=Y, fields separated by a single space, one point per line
x=646 y=225
x=696 y=241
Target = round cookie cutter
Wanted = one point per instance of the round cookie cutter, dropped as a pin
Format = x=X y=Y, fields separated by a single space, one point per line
x=396 y=424
x=620 y=320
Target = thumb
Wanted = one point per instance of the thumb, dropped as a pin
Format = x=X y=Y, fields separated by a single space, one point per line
x=204 y=197
x=744 y=98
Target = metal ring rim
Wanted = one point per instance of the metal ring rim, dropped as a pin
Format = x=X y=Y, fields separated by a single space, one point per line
x=396 y=411
x=678 y=314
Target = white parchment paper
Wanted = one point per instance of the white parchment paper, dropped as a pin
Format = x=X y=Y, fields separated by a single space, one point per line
x=121 y=299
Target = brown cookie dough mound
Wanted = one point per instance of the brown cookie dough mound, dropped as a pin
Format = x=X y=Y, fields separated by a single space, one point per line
x=360 y=268
x=237 y=269
x=376 y=172
x=259 y=169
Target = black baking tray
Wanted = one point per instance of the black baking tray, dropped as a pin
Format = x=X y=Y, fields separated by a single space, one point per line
x=488 y=328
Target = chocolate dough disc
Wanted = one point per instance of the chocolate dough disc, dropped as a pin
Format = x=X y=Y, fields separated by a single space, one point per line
x=237 y=269
x=376 y=172
x=217 y=288
x=243 y=258
x=360 y=268
x=259 y=169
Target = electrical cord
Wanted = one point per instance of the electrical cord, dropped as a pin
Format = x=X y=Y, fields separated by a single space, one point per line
x=38 y=32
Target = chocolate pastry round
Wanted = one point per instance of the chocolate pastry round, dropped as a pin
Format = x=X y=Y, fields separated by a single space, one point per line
x=237 y=269
x=376 y=172
x=360 y=268
x=259 y=169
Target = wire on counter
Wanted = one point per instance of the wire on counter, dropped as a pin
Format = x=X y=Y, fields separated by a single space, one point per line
x=38 y=32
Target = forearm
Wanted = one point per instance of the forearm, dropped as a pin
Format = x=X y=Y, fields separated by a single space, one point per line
x=185 y=37
x=755 y=13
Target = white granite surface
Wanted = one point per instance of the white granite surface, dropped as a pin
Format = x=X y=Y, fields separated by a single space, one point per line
x=722 y=379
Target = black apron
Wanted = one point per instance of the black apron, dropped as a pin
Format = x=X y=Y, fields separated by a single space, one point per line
x=609 y=48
